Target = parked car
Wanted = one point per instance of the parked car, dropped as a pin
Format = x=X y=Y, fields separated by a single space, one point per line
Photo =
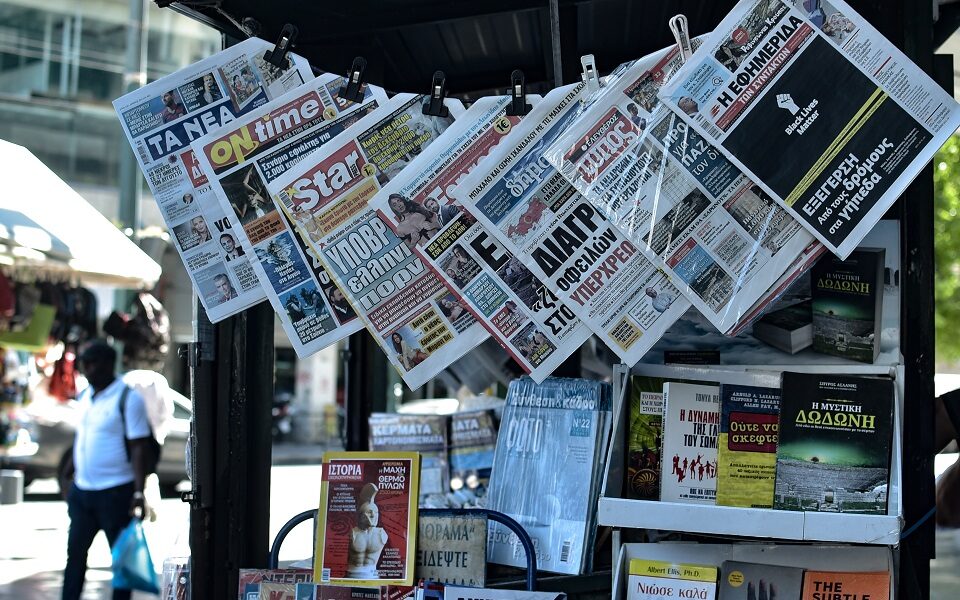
x=43 y=435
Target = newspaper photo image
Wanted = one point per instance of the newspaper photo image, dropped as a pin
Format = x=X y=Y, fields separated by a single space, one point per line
x=720 y=237
x=821 y=86
x=523 y=201
x=485 y=281
x=162 y=119
x=397 y=296
x=241 y=159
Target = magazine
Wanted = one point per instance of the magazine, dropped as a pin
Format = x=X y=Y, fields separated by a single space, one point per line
x=856 y=118
x=162 y=119
x=239 y=161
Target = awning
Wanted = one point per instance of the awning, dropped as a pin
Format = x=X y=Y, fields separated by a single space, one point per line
x=45 y=223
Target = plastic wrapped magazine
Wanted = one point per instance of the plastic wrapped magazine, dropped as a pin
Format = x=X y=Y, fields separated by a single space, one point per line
x=813 y=81
x=388 y=286
x=426 y=434
x=695 y=215
x=162 y=119
x=239 y=160
x=486 y=282
x=563 y=240
x=552 y=438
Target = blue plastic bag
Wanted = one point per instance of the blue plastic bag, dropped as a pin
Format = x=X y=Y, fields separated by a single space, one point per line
x=132 y=565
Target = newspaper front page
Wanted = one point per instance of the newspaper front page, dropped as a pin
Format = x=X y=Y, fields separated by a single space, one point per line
x=162 y=119
x=240 y=160
x=722 y=239
x=521 y=199
x=823 y=112
x=486 y=282
x=391 y=289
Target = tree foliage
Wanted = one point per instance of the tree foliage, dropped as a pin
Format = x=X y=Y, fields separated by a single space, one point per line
x=946 y=231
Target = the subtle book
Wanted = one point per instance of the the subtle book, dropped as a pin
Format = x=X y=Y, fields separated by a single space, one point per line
x=753 y=581
x=452 y=549
x=658 y=580
x=835 y=439
x=691 y=427
x=788 y=329
x=826 y=585
x=848 y=304
x=747 y=447
x=645 y=432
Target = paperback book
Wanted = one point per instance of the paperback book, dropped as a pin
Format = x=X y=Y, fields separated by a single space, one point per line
x=426 y=434
x=834 y=447
x=691 y=428
x=848 y=304
x=658 y=580
x=752 y=581
x=277 y=591
x=826 y=585
x=254 y=577
x=789 y=329
x=747 y=448
x=643 y=443
x=452 y=549
x=473 y=440
x=316 y=591
x=367 y=521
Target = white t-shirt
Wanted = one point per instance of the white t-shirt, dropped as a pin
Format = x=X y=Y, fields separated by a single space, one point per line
x=99 y=454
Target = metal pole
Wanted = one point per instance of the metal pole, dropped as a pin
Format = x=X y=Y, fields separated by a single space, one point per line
x=555 y=42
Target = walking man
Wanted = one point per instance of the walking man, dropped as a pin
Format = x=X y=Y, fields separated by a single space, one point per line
x=109 y=459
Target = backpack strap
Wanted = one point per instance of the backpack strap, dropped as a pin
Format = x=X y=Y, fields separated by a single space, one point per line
x=123 y=418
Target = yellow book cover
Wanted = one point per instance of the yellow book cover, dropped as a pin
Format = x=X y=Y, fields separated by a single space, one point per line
x=367 y=520
x=659 y=580
x=747 y=446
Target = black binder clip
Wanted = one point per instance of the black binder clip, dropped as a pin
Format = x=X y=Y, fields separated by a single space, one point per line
x=518 y=90
x=438 y=92
x=353 y=85
x=278 y=56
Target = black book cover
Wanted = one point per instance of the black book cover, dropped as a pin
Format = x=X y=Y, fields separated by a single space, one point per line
x=789 y=329
x=835 y=439
x=847 y=304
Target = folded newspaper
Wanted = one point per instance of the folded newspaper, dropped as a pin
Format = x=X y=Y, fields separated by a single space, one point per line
x=823 y=112
x=486 y=282
x=162 y=119
x=391 y=289
x=521 y=199
x=241 y=159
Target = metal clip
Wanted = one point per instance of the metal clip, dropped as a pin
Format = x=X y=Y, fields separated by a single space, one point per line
x=278 y=56
x=681 y=33
x=590 y=75
x=353 y=84
x=518 y=90
x=438 y=92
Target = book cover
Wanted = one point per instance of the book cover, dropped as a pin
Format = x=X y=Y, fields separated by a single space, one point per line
x=825 y=585
x=643 y=443
x=847 y=304
x=277 y=591
x=367 y=521
x=256 y=576
x=835 y=438
x=546 y=471
x=465 y=593
x=473 y=440
x=789 y=329
x=658 y=580
x=426 y=434
x=747 y=447
x=753 y=581
x=691 y=426
x=316 y=591
x=452 y=549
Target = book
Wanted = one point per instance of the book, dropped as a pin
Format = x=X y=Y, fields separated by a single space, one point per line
x=277 y=591
x=691 y=426
x=848 y=304
x=656 y=580
x=826 y=585
x=367 y=520
x=751 y=581
x=473 y=440
x=789 y=329
x=546 y=471
x=465 y=593
x=316 y=591
x=452 y=549
x=426 y=434
x=643 y=443
x=256 y=576
x=747 y=447
x=835 y=440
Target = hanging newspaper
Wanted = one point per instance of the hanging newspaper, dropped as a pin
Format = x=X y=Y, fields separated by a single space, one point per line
x=818 y=108
x=485 y=281
x=689 y=210
x=162 y=119
x=390 y=288
x=541 y=219
x=240 y=160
